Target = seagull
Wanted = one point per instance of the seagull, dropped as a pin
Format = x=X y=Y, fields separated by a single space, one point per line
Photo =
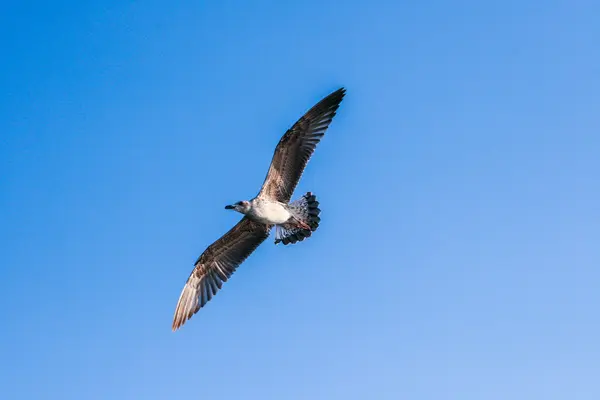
x=293 y=221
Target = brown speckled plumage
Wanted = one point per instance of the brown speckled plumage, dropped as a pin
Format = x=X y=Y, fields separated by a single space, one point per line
x=220 y=260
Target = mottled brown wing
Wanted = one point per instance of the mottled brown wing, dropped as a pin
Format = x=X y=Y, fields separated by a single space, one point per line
x=218 y=262
x=297 y=146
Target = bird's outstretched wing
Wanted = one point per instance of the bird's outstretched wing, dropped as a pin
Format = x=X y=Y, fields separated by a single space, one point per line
x=297 y=146
x=218 y=262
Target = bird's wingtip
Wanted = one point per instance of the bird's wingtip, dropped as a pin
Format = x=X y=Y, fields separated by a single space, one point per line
x=339 y=94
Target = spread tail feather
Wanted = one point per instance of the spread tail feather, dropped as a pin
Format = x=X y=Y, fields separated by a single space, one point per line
x=306 y=210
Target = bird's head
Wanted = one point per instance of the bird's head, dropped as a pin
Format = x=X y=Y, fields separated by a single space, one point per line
x=241 y=206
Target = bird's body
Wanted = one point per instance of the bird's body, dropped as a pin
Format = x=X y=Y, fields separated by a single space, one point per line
x=268 y=211
x=294 y=221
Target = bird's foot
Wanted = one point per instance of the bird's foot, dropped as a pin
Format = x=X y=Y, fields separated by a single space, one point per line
x=303 y=225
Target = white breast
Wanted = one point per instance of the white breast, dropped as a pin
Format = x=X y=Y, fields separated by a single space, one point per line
x=269 y=213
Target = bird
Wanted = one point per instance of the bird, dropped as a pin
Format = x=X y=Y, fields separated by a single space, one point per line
x=271 y=207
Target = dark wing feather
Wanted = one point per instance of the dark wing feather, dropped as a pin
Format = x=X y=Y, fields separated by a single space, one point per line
x=218 y=262
x=297 y=146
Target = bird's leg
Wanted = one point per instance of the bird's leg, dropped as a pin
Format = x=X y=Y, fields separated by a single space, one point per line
x=303 y=225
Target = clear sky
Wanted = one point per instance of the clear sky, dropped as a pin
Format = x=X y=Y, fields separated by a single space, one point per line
x=458 y=256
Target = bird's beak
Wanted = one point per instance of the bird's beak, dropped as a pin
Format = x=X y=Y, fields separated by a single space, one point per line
x=229 y=207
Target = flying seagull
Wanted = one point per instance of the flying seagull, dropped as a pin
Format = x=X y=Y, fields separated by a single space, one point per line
x=293 y=221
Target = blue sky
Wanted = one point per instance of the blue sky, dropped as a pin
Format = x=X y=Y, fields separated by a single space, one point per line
x=458 y=256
